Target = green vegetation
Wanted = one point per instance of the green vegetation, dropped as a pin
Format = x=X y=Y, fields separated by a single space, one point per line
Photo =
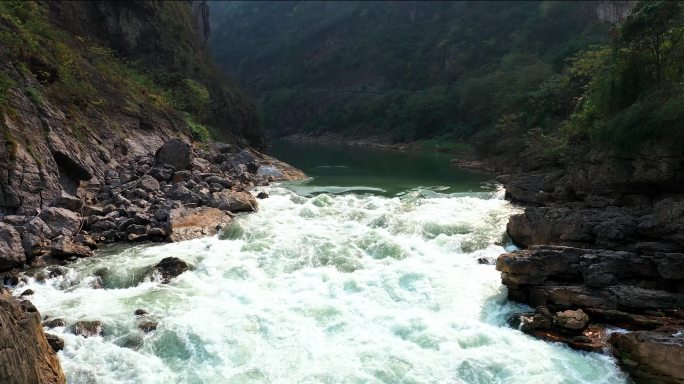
x=497 y=76
x=88 y=70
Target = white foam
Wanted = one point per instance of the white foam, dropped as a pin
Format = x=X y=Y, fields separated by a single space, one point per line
x=327 y=289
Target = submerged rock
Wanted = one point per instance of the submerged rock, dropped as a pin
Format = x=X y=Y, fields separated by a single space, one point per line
x=54 y=323
x=147 y=326
x=87 y=328
x=170 y=267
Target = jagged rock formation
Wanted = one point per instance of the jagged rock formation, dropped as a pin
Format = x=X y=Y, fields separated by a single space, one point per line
x=604 y=234
x=25 y=354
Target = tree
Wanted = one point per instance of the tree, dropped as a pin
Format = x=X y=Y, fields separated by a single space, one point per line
x=654 y=27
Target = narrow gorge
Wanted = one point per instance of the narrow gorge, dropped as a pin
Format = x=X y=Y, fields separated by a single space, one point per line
x=381 y=192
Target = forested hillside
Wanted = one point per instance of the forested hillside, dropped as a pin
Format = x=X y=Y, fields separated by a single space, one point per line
x=494 y=75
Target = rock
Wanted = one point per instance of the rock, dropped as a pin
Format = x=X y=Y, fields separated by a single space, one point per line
x=87 y=328
x=484 y=260
x=572 y=320
x=93 y=210
x=86 y=240
x=60 y=219
x=193 y=223
x=262 y=195
x=181 y=176
x=27 y=292
x=650 y=356
x=56 y=342
x=54 y=323
x=156 y=232
x=183 y=194
x=233 y=201
x=169 y=268
x=269 y=170
x=224 y=182
x=175 y=153
x=67 y=201
x=140 y=312
x=147 y=326
x=64 y=247
x=26 y=354
x=149 y=183
x=11 y=250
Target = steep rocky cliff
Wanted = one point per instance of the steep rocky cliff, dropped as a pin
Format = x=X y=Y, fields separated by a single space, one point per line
x=603 y=233
x=87 y=85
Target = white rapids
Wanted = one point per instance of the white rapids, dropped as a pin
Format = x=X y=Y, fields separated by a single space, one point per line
x=352 y=288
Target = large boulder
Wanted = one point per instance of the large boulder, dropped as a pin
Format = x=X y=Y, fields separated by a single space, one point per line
x=11 y=249
x=25 y=353
x=175 y=153
x=193 y=223
x=650 y=356
x=61 y=219
x=233 y=201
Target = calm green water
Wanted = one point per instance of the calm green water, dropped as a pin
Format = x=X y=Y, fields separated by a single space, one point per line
x=381 y=171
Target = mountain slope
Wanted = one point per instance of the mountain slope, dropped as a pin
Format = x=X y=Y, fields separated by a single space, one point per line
x=402 y=70
x=85 y=85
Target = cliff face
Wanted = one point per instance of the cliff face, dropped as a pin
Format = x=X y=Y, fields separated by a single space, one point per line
x=87 y=85
x=25 y=355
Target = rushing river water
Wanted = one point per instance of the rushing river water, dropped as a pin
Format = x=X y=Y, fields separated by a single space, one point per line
x=379 y=284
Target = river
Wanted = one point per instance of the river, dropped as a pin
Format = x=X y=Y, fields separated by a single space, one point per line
x=367 y=273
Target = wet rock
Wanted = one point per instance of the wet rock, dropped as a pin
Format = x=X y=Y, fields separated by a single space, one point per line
x=175 y=153
x=170 y=267
x=11 y=250
x=193 y=223
x=27 y=292
x=56 y=342
x=270 y=171
x=147 y=326
x=67 y=201
x=26 y=354
x=54 y=323
x=650 y=356
x=572 y=320
x=64 y=247
x=60 y=219
x=86 y=240
x=140 y=312
x=149 y=183
x=87 y=328
x=233 y=201
x=262 y=195
x=486 y=260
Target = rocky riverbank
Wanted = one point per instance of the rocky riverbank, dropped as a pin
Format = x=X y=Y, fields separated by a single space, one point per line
x=603 y=255
x=175 y=193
